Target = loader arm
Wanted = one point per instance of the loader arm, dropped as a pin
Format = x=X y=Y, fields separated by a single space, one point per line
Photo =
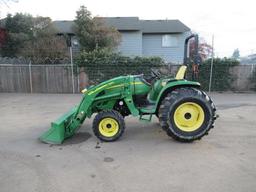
x=97 y=98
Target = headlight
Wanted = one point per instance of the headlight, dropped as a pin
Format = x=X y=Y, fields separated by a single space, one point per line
x=84 y=90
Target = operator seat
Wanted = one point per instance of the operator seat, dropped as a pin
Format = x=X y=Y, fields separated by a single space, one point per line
x=147 y=81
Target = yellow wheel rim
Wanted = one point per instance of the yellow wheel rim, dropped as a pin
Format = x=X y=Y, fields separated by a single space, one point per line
x=189 y=116
x=108 y=127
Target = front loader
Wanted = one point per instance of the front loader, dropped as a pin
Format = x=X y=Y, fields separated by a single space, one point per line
x=184 y=111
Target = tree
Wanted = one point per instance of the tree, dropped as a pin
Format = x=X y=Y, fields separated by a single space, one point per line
x=18 y=28
x=93 y=33
x=32 y=37
x=44 y=45
x=236 y=54
x=45 y=50
x=204 y=49
x=84 y=28
x=105 y=37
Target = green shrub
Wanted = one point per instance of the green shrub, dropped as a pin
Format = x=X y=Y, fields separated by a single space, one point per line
x=102 y=64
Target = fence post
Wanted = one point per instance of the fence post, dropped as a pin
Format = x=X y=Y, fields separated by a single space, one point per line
x=30 y=77
x=78 y=79
x=72 y=69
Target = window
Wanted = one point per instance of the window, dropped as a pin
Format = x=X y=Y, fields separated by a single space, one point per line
x=170 y=41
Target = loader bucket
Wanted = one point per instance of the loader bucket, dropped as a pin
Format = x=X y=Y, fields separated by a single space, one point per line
x=58 y=131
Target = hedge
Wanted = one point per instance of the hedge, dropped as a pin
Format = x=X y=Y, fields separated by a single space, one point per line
x=222 y=76
x=101 y=65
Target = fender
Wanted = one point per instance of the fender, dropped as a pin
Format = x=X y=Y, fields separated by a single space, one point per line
x=170 y=86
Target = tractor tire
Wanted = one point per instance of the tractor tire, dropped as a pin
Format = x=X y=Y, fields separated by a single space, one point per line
x=108 y=125
x=187 y=114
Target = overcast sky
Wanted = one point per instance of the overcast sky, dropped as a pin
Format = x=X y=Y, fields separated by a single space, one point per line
x=232 y=22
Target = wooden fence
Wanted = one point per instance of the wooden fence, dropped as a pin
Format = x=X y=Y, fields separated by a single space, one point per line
x=38 y=79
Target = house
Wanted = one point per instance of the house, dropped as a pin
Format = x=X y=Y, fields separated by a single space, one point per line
x=248 y=60
x=164 y=38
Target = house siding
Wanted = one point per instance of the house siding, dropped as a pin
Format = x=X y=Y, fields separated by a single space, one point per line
x=131 y=43
x=152 y=46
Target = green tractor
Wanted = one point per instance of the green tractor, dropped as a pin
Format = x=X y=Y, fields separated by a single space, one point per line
x=184 y=111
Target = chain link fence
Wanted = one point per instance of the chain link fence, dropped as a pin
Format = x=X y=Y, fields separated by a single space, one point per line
x=60 y=78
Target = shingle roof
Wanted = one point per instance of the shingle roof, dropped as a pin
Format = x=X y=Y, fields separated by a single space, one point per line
x=163 y=26
x=64 y=26
x=131 y=24
x=123 y=23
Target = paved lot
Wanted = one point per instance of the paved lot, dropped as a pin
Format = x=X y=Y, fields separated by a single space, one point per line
x=144 y=159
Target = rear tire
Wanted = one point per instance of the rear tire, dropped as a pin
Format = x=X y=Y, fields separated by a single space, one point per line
x=187 y=114
x=108 y=125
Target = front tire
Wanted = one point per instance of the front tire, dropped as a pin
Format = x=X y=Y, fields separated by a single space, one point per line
x=187 y=114
x=108 y=125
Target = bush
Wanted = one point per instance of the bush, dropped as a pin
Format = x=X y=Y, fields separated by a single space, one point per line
x=222 y=76
x=102 y=64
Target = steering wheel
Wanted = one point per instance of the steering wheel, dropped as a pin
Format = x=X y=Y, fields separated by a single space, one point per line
x=155 y=73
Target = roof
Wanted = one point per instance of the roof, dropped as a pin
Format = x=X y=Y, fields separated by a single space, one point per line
x=163 y=26
x=64 y=26
x=123 y=23
x=131 y=24
x=249 y=59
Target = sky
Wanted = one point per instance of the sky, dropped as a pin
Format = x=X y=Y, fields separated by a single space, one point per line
x=232 y=23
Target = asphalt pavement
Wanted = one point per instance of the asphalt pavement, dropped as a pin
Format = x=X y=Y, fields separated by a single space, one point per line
x=144 y=159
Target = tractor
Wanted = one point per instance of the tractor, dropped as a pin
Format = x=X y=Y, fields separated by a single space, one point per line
x=185 y=112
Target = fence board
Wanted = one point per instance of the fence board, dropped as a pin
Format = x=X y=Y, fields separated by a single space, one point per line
x=14 y=79
x=45 y=79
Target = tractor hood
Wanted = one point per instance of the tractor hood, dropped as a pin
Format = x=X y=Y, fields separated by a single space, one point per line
x=105 y=84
